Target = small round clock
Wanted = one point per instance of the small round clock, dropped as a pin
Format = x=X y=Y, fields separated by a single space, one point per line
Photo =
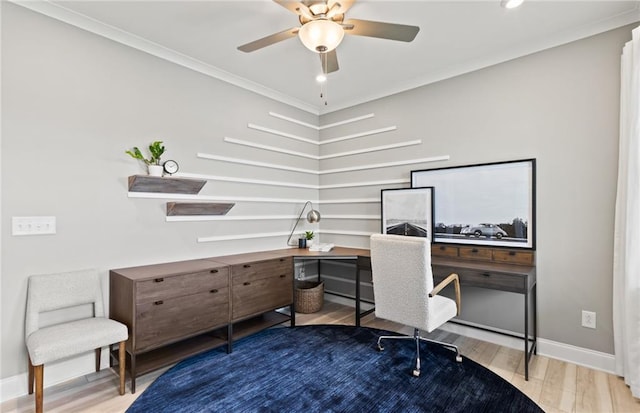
x=170 y=167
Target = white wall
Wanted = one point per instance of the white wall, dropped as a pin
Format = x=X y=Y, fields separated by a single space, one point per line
x=72 y=103
x=560 y=106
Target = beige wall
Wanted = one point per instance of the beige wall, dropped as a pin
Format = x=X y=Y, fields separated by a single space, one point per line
x=72 y=102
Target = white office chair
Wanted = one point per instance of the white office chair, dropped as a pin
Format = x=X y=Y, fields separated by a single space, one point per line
x=404 y=292
x=52 y=292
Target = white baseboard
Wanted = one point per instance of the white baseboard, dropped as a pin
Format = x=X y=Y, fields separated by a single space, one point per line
x=577 y=355
x=566 y=352
x=54 y=373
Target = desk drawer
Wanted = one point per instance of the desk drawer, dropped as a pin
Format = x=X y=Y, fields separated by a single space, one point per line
x=254 y=271
x=513 y=257
x=444 y=251
x=258 y=295
x=179 y=285
x=485 y=279
x=475 y=253
x=165 y=321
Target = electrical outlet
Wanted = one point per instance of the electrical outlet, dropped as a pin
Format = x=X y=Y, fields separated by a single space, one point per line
x=588 y=319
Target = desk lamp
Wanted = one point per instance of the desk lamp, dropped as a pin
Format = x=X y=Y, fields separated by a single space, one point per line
x=312 y=216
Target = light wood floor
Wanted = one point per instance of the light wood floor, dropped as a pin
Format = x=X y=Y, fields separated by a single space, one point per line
x=555 y=385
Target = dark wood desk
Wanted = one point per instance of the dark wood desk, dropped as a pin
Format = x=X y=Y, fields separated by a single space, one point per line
x=244 y=290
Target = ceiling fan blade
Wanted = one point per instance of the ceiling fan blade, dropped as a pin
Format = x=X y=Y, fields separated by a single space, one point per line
x=295 y=7
x=391 y=31
x=269 y=40
x=329 y=62
x=339 y=7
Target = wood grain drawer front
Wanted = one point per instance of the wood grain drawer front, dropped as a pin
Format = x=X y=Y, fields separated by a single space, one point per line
x=179 y=285
x=514 y=257
x=253 y=271
x=255 y=296
x=444 y=251
x=475 y=253
x=165 y=321
x=486 y=279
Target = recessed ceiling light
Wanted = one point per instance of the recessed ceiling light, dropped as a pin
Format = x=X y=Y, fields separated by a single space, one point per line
x=511 y=4
x=321 y=78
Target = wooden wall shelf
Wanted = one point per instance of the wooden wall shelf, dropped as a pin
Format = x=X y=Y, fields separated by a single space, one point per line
x=197 y=208
x=168 y=185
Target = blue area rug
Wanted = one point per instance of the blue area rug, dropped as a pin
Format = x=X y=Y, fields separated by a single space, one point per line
x=329 y=368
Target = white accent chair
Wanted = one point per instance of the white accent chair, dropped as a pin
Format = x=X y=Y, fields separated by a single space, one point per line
x=403 y=289
x=45 y=344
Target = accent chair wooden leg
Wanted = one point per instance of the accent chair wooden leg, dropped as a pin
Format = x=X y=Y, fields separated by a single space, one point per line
x=39 y=374
x=98 y=356
x=30 y=376
x=122 y=359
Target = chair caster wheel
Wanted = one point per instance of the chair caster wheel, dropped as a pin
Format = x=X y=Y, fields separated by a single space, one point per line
x=416 y=373
x=459 y=359
x=380 y=348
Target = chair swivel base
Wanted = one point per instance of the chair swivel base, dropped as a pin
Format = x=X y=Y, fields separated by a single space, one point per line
x=417 y=338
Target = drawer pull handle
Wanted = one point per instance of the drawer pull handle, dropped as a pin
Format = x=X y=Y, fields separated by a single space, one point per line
x=442 y=248
x=247 y=266
x=158 y=280
x=486 y=274
x=246 y=283
x=512 y=253
x=213 y=271
x=282 y=259
x=282 y=275
x=158 y=302
x=475 y=250
x=215 y=290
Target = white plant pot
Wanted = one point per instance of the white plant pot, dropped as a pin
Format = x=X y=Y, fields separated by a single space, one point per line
x=309 y=243
x=155 y=170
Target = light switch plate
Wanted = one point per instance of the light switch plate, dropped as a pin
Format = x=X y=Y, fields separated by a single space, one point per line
x=33 y=225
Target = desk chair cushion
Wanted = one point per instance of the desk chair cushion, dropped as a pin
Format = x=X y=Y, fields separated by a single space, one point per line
x=403 y=279
x=64 y=340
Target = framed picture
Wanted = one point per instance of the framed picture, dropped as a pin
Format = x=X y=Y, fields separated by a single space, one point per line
x=490 y=204
x=408 y=211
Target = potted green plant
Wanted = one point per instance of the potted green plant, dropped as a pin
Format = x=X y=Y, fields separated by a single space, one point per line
x=308 y=235
x=156 y=149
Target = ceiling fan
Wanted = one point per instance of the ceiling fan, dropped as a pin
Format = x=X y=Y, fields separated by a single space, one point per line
x=323 y=26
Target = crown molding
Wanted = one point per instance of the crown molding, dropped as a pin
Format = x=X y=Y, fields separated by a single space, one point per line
x=86 y=23
x=521 y=50
x=81 y=21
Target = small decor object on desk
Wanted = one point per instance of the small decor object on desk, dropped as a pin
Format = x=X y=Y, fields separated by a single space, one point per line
x=309 y=296
x=153 y=163
x=308 y=235
x=302 y=242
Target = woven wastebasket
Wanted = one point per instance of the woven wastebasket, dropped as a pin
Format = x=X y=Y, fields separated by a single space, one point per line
x=309 y=296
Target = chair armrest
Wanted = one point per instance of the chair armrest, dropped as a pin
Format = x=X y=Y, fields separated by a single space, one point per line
x=456 y=284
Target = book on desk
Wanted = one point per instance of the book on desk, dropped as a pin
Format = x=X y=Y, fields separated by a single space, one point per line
x=321 y=247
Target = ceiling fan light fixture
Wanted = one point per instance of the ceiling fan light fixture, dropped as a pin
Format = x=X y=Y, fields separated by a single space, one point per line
x=321 y=35
x=511 y=4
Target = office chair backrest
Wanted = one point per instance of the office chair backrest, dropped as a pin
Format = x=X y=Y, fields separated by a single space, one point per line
x=57 y=291
x=402 y=278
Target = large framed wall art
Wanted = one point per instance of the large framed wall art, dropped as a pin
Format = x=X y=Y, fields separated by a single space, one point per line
x=491 y=204
x=408 y=211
